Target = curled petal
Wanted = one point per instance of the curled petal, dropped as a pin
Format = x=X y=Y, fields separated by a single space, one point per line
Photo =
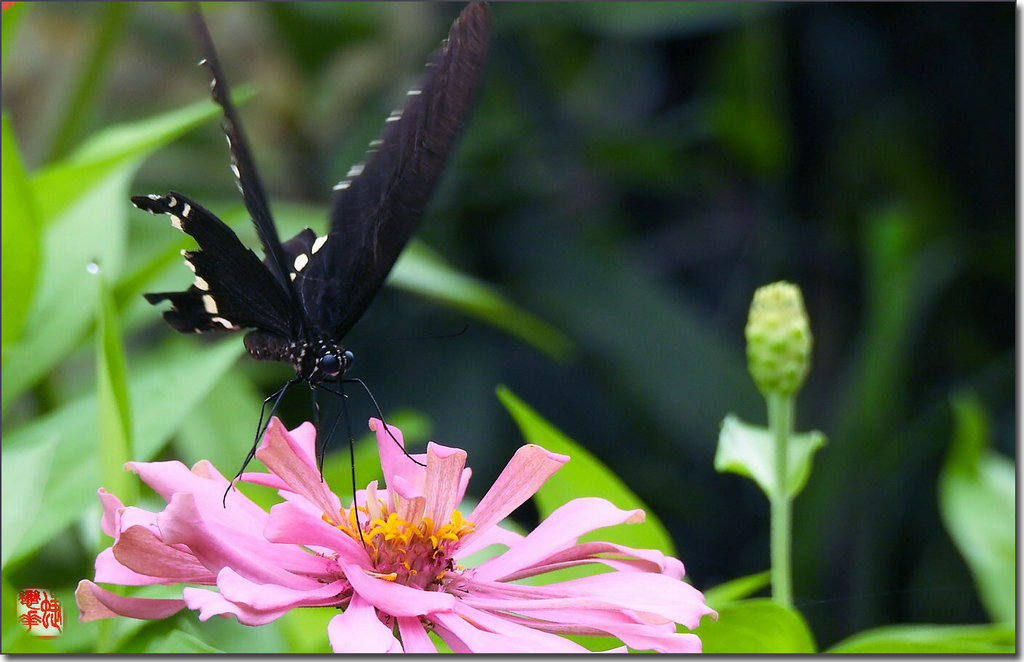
x=444 y=471
x=284 y=456
x=528 y=469
x=95 y=603
x=291 y=524
x=358 y=630
x=112 y=506
x=559 y=531
x=481 y=632
x=212 y=603
x=142 y=551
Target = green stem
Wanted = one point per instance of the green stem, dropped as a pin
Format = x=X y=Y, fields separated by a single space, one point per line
x=780 y=421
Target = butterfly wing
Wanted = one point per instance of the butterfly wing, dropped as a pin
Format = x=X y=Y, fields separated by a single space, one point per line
x=242 y=164
x=376 y=207
x=233 y=288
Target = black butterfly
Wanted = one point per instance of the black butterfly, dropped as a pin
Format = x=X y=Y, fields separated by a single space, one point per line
x=308 y=291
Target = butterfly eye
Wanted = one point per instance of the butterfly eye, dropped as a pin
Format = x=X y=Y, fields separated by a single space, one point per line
x=329 y=364
x=346 y=360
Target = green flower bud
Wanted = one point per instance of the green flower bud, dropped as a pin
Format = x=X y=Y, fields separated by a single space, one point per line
x=778 y=339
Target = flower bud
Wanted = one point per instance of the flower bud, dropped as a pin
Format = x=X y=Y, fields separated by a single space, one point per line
x=778 y=339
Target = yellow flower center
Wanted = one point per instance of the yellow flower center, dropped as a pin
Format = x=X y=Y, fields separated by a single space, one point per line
x=402 y=551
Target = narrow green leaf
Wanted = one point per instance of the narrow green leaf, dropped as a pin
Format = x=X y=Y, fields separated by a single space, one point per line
x=748 y=450
x=977 y=503
x=931 y=640
x=11 y=20
x=756 y=627
x=20 y=240
x=163 y=393
x=584 y=475
x=422 y=271
x=736 y=589
x=115 y=432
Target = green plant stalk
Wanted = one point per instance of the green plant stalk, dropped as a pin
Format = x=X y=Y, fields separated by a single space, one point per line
x=780 y=422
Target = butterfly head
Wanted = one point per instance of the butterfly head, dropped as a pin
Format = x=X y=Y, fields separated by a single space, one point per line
x=326 y=360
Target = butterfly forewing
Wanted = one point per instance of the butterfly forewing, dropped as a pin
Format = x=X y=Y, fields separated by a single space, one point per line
x=242 y=164
x=376 y=207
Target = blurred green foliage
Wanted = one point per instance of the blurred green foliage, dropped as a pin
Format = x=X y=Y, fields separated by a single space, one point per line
x=632 y=172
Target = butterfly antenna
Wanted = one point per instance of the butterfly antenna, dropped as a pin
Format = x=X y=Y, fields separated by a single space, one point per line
x=261 y=428
x=380 y=414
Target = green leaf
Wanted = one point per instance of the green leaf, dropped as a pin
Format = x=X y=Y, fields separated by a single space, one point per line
x=749 y=450
x=754 y=627
x=84 y=210
x=931 y=640
x=977 y=503
x=164 y=393
x=20 y=241
x=180 y=643
x=736 y=589
x=11 y=20
x=29 y=465
x=65 y=304
x=584 y=475
x=115 y=433
x=424 y=272
x=112 y=148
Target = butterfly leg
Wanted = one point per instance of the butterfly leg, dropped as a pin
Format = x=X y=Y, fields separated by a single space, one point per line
x=261 y=428
x=351 y=448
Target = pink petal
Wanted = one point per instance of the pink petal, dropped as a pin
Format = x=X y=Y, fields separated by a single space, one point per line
x=393 y=461
x=358 y=630
x=621 y=558
x=501 y=636
x=140 y=550
x=441 y=487
x=284 y=456
x=558 y=531
x=270 y=597
x=110 y=571
x=414 y=636
x=111 y=515
x=212 y=603
x=495 y=535
x=396 y=599
x=207 y=486
x=636 y=633
x=669 y=599
x=528 y=469
x=95 y=603
x=291 y=524
x=217 y=547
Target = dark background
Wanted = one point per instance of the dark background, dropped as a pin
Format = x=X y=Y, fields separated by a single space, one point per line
x=632 y=172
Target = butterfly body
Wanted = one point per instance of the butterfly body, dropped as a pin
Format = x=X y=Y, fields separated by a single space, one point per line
x=308 y=291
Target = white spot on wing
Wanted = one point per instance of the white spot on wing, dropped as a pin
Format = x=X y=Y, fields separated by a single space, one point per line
x=292 y=275
x=301 y=260
x=319 y=243
x=341 y=186
x=153 y=196
x=172 y=202
x=413 y=92
x=202 y=284
x=223 y=322
x=187 y=210
x=209 y=304
x=176 y=222
x=355 y=171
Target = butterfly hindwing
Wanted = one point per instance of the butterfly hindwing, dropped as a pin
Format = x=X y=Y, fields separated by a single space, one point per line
x=232 y=289
x=376 y=207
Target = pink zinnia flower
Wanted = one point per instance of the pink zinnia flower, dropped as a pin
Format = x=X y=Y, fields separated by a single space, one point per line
x=394 y=566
